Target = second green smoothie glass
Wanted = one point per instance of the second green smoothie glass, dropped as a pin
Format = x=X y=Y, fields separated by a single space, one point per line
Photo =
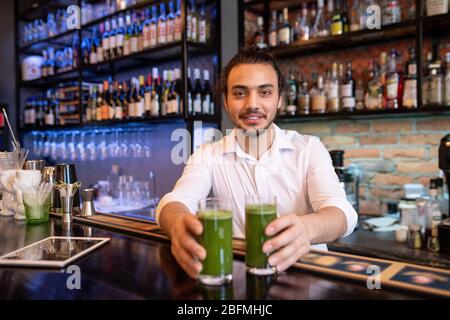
x=259 y=212
x=215 y=215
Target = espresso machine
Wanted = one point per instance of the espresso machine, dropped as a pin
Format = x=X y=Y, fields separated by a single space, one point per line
x=444 y=165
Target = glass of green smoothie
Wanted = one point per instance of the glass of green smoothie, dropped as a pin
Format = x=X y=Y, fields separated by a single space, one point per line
x=215 y=215
x=259 y=212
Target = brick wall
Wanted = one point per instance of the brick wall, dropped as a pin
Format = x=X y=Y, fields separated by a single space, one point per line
x=389 y=152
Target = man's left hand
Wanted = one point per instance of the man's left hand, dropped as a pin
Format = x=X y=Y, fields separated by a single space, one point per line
x=291 y=240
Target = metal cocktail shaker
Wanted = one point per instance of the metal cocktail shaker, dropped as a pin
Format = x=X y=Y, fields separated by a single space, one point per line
x=66 y=173
x=88 y=203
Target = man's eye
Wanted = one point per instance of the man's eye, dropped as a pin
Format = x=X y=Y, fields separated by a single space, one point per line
x=266 y=93
x=239 y=94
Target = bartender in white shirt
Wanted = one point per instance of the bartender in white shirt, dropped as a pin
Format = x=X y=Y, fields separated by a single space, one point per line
x=258 y=158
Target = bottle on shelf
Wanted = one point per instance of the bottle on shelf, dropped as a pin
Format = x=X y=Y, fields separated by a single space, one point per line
x=148 y=96
x=197 y=93
x=190 y=93
x=291 y=96
x=273 y=30
x=409 y=100
x=259 y=37
x=134 y=39
x=156 y=94
x=319 y=28
x=284 y=32
x=177 y=27
x=153 y=29
x=374 y=94
x=165 y=92
x=105 y=42
x=355 y=16
x=174 y=103
x=337 y=23
x=202 y=25
x=140 y=104
x=117 y=102
x=345 y=19
x=207 y=96
x=162 y=23
x=435 y=84
x=303 y=98
x=304 y=23
x=392 y=81
x=194 y=22
x=434 y=218
x=348 y=90
x=391 y=12
x=146 y=29
x=435 y=7
x=317 y=94
x=333 y=102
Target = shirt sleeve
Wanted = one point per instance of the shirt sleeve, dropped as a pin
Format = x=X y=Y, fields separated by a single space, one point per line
x=324 y=189
x=193 y=185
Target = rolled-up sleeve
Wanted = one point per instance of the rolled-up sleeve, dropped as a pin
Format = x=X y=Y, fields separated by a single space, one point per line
x=193 y=185
x=323 y=185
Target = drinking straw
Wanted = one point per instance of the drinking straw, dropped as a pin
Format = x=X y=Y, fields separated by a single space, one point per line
x=15 y=143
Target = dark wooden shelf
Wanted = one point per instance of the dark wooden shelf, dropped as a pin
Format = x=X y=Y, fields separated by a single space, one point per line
x=39 y=8
x=360 y=115
x=354 y=39
x=436 y=24
x=38 y=45
x=69 y=75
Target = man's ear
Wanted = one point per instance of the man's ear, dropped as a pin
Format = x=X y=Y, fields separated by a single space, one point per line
x=280 y=101
x=224 y=100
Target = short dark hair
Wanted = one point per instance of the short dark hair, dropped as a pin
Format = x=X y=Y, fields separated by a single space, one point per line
x=250 y=55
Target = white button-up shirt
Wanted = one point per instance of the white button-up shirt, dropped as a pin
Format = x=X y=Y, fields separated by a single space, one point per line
x=297 y=170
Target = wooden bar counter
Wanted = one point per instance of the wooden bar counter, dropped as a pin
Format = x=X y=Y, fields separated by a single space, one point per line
x=131 y=267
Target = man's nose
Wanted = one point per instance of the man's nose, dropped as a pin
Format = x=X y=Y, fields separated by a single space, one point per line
x=252 y=100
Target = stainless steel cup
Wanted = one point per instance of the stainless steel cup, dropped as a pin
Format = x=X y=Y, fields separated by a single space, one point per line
x=34 y=165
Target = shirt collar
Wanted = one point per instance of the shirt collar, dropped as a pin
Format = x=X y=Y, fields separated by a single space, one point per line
x=282 y=140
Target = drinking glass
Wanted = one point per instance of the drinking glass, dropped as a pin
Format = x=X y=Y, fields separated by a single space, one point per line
x=215 y=215
x=260 y=210
x=37 y=207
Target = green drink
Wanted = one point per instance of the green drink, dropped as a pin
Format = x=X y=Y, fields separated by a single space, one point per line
x=37 y=207
x=258 y=214
x=216 y=218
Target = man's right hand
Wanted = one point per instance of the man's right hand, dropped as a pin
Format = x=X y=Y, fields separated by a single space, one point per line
x=185 y=248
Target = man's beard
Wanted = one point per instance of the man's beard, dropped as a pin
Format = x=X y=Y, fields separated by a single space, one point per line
x=252 y=132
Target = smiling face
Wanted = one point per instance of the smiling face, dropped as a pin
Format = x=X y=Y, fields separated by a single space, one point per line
x=252 y=98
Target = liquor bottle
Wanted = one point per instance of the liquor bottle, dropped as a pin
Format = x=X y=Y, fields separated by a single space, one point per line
x=189 y=93
x=345 y=22
x=140 y=27
x=392 y=81
x=112 y=40
x=138 y=101
x=410 y=82
x=93 y=51
x=162 y=25
x=273 y=30
x=85 y=51
x=292 y=90
x=134 y=40
x=123 y=99
x=434 y=218
x=111 y=102
x=156 y=94
x=93 y=107
x=98 y=107
x=118 y=103
x=105 y=108
x=170 y=24
x=165 y=90
x=303 y=98
x=148 y=96
x=154 y=28
x=304 y=23
x=329 y=14
x=207 y=97
x=374 y=94
x=177 y=27
x=176 y=93
x=348 y=90
x=202 y=25
x=359 y=91
x=435 y=79
x=284 y=32
x=49 y=118
x=105 y=41
x=383 y=77
x=319 y=28
x=130 y=99
x=146 y=29
x=194 y=22
x=140 y=104
x=197 y=93
x=333 y=102
x=189 y=21
x=391 y=12
x=337 y=24
x=447 y=80
x=317 y=94
x=259 y=37
x=355 y=16
x=99 y=43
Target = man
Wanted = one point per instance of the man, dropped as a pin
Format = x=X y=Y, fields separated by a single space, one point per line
x=258 y=158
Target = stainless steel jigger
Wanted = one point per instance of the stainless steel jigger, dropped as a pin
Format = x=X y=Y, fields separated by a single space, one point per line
x=88 y=203
x=67 y=205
